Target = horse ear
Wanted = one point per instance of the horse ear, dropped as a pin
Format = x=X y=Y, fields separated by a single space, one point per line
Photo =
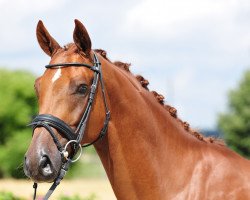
x=81 y=38
x=48 y=44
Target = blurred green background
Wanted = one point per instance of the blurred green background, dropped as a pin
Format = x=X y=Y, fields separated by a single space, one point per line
x=235 y=122
x=17 y=106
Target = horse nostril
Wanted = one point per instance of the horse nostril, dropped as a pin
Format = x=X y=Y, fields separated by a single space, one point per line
x=45 y=166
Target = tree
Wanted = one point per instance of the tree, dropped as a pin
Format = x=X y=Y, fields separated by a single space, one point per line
x=17 y=106
x=235 y=123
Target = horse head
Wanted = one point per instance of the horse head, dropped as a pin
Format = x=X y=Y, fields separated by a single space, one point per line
x=63 y=94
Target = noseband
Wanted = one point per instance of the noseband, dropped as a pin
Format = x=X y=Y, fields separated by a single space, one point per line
x=74 y=137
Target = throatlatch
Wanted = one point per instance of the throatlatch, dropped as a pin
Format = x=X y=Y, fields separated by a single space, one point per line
x=74 y=137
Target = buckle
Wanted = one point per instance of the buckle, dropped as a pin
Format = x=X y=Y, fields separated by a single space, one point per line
x=65 y=153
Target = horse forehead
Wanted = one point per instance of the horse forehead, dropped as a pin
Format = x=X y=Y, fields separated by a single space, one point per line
x=65 y=74
x=62 y=74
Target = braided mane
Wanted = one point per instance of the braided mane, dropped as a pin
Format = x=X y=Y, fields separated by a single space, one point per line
x=160 y=98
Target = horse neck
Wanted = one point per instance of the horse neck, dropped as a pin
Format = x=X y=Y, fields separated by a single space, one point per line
x=142 y=140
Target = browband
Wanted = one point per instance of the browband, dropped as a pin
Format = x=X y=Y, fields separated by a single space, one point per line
x=63 y=65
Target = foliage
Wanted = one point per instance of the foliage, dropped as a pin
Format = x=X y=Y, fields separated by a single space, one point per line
x=12 y=153
x=17 y=106
x=18 y=102
x=235 y=123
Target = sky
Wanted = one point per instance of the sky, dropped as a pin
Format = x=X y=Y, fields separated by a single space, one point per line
x=191 y=51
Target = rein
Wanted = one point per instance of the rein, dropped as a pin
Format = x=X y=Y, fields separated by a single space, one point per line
x=74 y=137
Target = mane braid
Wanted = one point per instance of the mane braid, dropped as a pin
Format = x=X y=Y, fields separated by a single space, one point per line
x=143 y=81
x=160 y=98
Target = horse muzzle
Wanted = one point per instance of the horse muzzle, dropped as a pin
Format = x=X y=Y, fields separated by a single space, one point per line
x=40 y=164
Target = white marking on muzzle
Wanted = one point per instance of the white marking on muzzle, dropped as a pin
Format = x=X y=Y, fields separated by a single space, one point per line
x=57 y=75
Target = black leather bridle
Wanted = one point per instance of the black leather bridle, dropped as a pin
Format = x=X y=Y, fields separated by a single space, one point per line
x=74 y=137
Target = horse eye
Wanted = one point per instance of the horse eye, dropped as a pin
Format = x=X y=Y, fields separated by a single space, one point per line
x=82 y=89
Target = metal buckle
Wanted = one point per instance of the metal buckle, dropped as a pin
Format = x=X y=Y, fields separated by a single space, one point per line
x=66 y=153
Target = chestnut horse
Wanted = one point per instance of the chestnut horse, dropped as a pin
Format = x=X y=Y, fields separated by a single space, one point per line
x=147 y=153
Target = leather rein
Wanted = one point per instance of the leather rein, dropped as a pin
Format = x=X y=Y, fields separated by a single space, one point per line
x=74 y=137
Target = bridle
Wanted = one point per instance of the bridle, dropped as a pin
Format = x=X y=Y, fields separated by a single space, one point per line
x=74 y=137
